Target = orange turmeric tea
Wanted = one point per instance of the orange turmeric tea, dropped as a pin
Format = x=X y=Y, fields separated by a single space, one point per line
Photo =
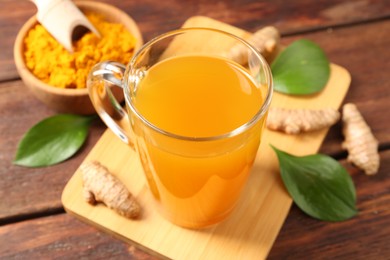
x=196 y=178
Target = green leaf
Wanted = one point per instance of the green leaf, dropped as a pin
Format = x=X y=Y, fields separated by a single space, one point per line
x=52 y=140
x=301 y=69
x=319 y=185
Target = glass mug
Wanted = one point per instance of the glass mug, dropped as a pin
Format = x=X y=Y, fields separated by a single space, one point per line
x=194 y=116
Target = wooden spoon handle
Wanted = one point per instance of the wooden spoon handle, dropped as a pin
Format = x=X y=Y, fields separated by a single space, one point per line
x=60 y=18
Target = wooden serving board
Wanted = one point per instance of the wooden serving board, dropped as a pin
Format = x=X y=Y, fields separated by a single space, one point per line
x=253 y=226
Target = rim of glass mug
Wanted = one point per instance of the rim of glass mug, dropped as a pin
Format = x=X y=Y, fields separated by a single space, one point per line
x=260 y=113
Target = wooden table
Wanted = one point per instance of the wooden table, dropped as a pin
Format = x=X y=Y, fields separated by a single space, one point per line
x=354 y=34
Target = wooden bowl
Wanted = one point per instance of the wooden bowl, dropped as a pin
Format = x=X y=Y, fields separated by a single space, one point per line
x=75 y=101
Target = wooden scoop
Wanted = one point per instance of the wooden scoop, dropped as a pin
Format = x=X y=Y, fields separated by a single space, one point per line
x=63 y=20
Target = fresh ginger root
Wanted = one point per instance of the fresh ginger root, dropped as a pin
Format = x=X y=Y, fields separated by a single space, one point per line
x=295 y=121
x=359 y=141
x=101 y=186
x=265 y=40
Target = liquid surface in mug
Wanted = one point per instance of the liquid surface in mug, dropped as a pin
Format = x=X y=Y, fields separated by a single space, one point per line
x=197 y=96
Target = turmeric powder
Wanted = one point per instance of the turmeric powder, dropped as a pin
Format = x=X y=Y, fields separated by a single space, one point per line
x=54 y=65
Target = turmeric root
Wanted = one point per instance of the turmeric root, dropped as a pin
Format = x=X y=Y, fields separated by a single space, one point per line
x=101 y=186
x=359 y=141
x=295 y=121
x=265 y=40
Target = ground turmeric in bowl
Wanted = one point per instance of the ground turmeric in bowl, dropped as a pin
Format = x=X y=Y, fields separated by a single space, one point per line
x=54 y=65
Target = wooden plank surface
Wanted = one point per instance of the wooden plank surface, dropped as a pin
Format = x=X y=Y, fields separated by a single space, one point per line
x=22 y=187
x=63 y=237
x=363 y=50
x=288 y=16
x=365 y=237
x=19 y=111
x=253 y=226
x=358 y=37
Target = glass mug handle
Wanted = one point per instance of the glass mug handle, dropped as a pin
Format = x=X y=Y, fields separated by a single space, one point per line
x=102 y=76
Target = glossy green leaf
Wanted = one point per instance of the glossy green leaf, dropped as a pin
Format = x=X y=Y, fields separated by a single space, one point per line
x=319 y=186
x=301 y=69
x=52 y=140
